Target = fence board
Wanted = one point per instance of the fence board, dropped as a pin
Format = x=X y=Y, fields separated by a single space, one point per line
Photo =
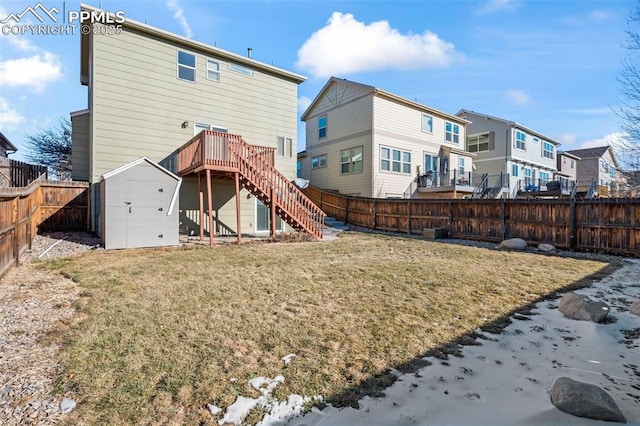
x=602 y=225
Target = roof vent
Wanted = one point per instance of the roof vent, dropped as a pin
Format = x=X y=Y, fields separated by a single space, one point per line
x=249 y=52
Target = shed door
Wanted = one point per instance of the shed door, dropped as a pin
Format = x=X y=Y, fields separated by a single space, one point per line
x=146 y=206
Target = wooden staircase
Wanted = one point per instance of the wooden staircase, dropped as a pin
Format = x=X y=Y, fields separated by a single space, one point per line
x=231 y=154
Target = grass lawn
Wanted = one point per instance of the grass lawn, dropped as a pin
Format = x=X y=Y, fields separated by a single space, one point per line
x=161 y=333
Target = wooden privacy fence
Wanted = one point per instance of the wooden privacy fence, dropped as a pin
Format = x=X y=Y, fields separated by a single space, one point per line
x=604 y=225
x=43 y=204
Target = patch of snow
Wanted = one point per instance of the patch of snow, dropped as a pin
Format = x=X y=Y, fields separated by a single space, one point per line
x=287 y=358
x=239 y=410
x=67 y=405
x=506 y=380
x=214 y=409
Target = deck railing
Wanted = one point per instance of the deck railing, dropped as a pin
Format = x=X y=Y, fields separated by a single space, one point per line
x=228 y=152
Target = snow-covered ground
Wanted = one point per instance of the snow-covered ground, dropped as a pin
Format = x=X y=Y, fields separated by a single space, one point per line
x=506 y=380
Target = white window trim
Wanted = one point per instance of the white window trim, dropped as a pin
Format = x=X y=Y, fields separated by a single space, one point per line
x=391 y=160
x=422 y=121
x=553 y=150
x=477 y=135
x=241 y=69
x=287 y=148
x=453 y=133
x=515 y=141
x=218 y=71
x=351 y=172
x=318 y=157
x=255 y=220
x=326 y=126
x=178 y=65
x=212 y=127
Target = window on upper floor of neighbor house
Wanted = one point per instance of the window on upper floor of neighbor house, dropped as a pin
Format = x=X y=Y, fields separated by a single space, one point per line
x=213 y=70
x=612 y=172
x=478 y=142
x=285 y=147
x=547 y=150
x=535 y=140
x=451 y=132
x=322 y=127
x=427 y=123
x=319 y=161
x=395 y=160
x=515 y=170
x=186 y=66
x=351 y=161
x=521 y=140
x=573 y=163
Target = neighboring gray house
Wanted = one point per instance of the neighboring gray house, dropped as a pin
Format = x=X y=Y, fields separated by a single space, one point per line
x=505 y=147
x=6 y=147
x=150 y=92
x=365 y=141
x=599 y=165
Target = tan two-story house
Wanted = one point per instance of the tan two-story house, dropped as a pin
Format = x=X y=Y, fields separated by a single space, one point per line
x=598 y=166
x=503 y=147
x=365 y=141
x=150 y=92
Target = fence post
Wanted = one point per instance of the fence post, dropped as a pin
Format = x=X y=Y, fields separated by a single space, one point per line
x=16 y=236
x=503 y=225
x=450 y=219
x=572 y=224
x=409 y=218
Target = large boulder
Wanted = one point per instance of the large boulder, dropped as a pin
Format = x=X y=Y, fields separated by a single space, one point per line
x=581 y=307
x=585 y=400
x=634 y=309
x=513 y=244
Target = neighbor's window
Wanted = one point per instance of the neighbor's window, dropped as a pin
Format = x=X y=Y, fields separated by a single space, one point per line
x=213 y=70
x=573 y=163
x=520 y=140
x=241 y=69
x=515 y=170
x=351 y=161
x=322 y=127
x=612 y=172
x=427 y=123
x=319 y=162
x=535 y=140
x=547 y=150
x=395 y=160
x=451 y=132
x=544 y=177
x=477 y=143
x=461 y=166
x=285 y=147
x=186 y=66
x=527 y=175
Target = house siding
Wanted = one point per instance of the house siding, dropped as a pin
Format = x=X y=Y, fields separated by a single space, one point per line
x=138 y=105
x=80 y=147
x=398 y=126
x=564 y=166
x=348 y=126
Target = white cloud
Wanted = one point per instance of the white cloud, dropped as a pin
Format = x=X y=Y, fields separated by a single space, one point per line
x=616 y=140
x=346 y=45
x=9 y=117
x=36 y=71
x=518 y=97
x=303 y=103
x=492 y=6
x=178 y=15
x=568 y=138
x=600 y=15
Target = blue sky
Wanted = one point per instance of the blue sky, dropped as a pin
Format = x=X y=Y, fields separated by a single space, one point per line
x=550 y=65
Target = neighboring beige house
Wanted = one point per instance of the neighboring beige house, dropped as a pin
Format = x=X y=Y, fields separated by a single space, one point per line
x=506 y=148
x=598 y=165
x=567 y=166
x=150 y=92
x=364 y=141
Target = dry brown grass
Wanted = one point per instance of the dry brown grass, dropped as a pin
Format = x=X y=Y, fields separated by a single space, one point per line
x=164 y=332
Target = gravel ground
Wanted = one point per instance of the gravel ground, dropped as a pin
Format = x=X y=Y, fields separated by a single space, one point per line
x=33 y=303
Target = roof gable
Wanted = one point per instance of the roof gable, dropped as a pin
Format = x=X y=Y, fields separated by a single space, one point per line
x=464 y=112
x=596 y=152
x=333 y=90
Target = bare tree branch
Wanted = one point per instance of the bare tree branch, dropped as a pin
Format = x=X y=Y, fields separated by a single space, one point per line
x=52 y=148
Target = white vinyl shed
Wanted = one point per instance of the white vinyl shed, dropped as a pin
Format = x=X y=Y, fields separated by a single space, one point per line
x=139 y=206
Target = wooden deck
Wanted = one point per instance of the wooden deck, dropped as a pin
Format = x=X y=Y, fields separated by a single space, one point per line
x=217 y=154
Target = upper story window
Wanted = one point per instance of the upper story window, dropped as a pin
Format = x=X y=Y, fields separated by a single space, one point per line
x=427 y=123
x=535 y=140
x=186 y=66
x=547 y=150
x=285 y=147
x=319 y=161
x=479 y=142
x=451 y=132
x=612 y=172
x=573 y=163
x=322 y=127
x=351 y=161
x=395 y=160
x=521 y=140
x=240 y=69
x=213 y=70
